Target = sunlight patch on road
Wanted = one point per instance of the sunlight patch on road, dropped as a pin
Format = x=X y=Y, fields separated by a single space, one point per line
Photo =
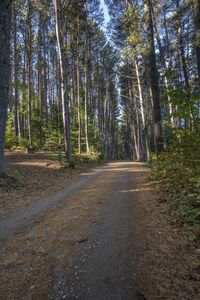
x=38 y=164
x=136 y=190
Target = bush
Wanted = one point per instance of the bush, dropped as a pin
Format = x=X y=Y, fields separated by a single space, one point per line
x=179 y=168
x=10 y=133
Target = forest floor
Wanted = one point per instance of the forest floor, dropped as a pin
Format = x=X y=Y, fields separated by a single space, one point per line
x=34 y=176
x=103 y=235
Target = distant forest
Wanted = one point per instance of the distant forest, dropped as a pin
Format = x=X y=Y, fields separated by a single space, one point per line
x=127 y=91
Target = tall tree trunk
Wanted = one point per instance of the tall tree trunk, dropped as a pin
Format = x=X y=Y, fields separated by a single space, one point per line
x=181 y=46
x=154 y=83
x=63 y=74
x=40 y=84
x=78 y=86
x=197 y=34
x=29 y=56
x=182 y=54
x=163 y=62
x=86 y=83
x=133 y=124
x=15 y=72
x=24 y=81
x=45 y=73
x=5 y=27
x=141 y=102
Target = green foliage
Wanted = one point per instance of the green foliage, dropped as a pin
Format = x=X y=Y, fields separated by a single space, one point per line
x=95 y=154
x=10 y=134
x=179 y=166
x=23 y=143
x=186 y=103
x=11 y=142
x=54 y=156
x=131 y=22
x=190 y=210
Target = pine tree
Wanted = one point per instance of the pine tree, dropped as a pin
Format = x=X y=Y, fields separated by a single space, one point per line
x=5 y=28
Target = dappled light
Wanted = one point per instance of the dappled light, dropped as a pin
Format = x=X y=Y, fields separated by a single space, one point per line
x=142 y=189
x=119 y=166
x=100 y=149
x=38 y=164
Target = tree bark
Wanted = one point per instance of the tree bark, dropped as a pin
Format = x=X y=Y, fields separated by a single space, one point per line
x=153 y=72
x=5 y=28
x=181 y=46
x=16 y=66
x=40 y=83
x=63 y=74
x=86 y=83
x=141 y=102
x=197 y=34
x=163 y=62
x=29 y=56
x=130 y=114
x=78 y=86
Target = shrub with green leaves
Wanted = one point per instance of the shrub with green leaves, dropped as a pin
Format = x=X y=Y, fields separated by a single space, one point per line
x=179 y=165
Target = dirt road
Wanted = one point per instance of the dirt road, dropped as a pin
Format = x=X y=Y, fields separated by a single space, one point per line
x=104 y=236
x=21 y=219
x=79 y=243
x=103 y=267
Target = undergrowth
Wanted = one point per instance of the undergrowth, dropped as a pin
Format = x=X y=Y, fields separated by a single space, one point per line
x=10 y=180
x=80 y=158
x=178 y=172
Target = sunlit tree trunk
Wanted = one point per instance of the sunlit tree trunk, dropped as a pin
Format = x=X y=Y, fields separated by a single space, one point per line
x=133 y=124
x=63 y=74
x=141 y=101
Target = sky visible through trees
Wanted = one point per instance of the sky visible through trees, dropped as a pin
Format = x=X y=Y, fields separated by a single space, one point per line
x=90 y=81
x=105 y=11
x=116 y=78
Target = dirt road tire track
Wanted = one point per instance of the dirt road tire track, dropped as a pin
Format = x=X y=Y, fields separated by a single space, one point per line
x=99 y=267
x=20 y=220
x=103 y=269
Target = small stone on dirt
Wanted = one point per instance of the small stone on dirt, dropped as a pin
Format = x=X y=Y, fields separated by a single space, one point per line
x=197 y=251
